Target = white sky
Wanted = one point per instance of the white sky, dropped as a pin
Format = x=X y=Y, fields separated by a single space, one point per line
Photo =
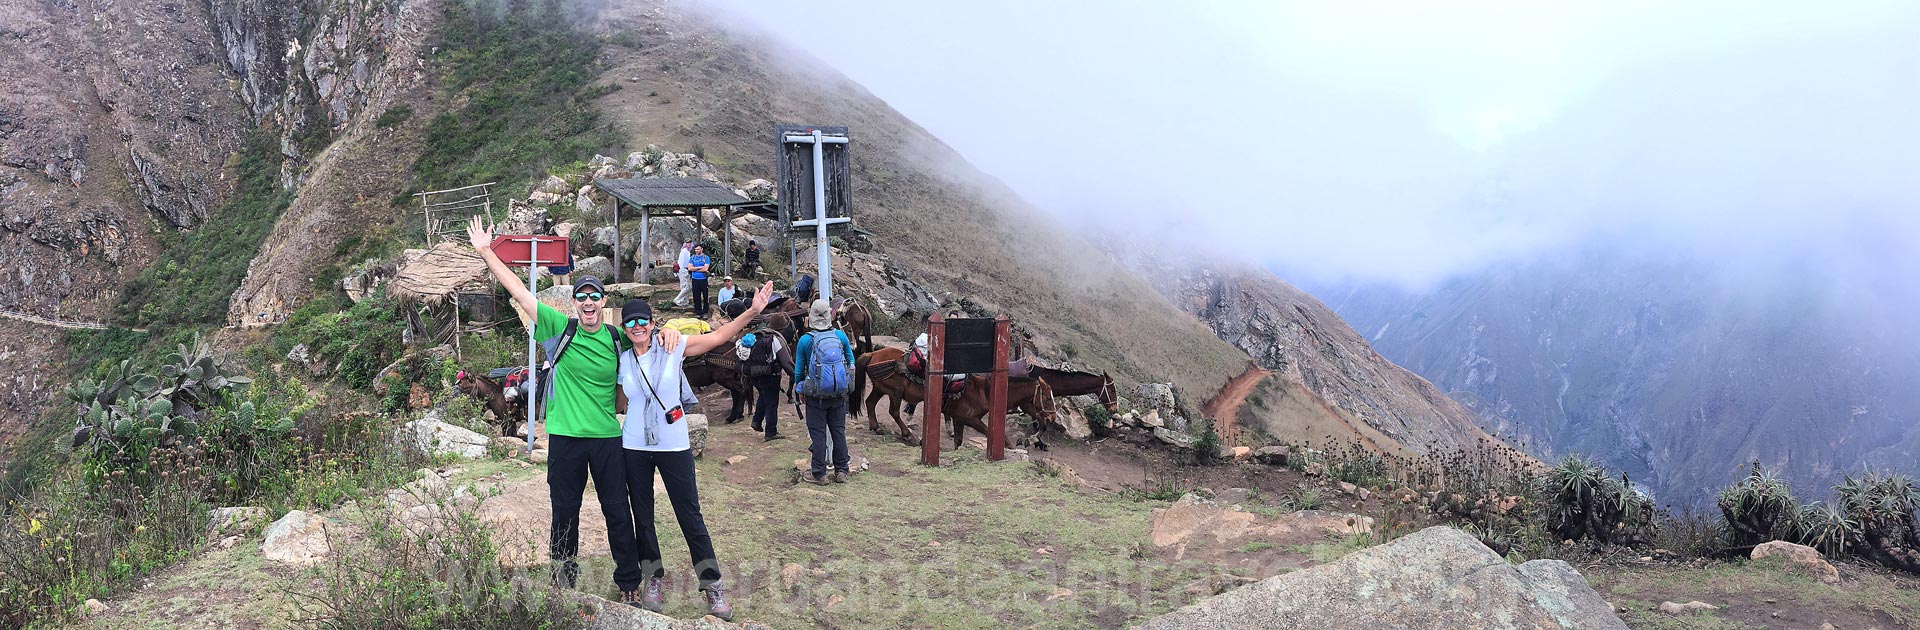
x=1407 y=141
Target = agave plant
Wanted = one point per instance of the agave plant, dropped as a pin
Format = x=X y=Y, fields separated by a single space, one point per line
x=1825 y=528
x=1759 y=508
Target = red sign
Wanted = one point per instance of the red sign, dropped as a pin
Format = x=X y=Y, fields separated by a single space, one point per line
x=517 y=250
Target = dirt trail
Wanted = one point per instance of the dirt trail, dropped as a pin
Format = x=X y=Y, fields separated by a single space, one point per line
x=57 y=323
x=1224 y=408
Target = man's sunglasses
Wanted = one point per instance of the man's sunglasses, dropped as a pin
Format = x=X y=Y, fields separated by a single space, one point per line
x=582 y=297
x=635 y=322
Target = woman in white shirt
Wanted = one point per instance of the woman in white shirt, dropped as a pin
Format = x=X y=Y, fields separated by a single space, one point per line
x=652 y=391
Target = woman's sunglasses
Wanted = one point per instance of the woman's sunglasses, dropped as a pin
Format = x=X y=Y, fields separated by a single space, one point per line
x=582 y=297
x=635 y=322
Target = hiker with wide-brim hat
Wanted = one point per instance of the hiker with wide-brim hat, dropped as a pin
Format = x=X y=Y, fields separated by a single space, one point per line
x=654 y=393
x=583 y=436
x=821 y=363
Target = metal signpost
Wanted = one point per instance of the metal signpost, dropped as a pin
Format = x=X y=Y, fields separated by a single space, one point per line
x=826 y=168
x=524 y=250
x=966 y=346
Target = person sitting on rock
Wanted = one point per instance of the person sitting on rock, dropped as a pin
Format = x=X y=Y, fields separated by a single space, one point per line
x=655 y=437
x=750 y=269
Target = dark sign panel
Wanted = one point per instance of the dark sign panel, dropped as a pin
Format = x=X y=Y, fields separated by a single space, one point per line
x=969 y=346
x=796 y=176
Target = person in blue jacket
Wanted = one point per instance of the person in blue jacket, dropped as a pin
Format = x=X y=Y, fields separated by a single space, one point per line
x=826 y=407
x=697 y=266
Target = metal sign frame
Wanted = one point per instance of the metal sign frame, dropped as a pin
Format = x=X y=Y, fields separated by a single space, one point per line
x=819 y=188
x=523 y=250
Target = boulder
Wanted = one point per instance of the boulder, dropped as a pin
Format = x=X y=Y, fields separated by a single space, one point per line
x=229 y=521
x=758 y=190
x=596 y=266
x=1688 y=609
x=1072 y=420
x=1175 y=438
x=299 y=539
x=696 y=432
x=298 y=354
x=431 y=436
x=553 y=185
x=1151 y=420
x=598 y=613
x=94 y=607
x=583 y=200
x=1801 y=557
x=544 y=198
x=600 y=160
x=1271 y=455
x=1239 y=453
x=1438 y=577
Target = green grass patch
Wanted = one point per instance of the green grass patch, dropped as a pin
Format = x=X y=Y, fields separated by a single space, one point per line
x=524 y=74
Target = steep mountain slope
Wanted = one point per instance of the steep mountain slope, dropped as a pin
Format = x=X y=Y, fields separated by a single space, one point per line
x=1327 y=381
x=688 y=81
x=113 y=120
x=1664 y=369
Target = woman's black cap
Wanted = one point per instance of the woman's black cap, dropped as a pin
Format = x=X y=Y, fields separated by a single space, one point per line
x=636 y=308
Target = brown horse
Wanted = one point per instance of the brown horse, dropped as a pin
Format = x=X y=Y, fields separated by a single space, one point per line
x=494 y=395
x=889 y=377
x=858 y=322
x=717 y=367
x=1030 y=396
x=1071 y=383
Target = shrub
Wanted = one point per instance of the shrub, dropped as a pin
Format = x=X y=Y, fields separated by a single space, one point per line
x=1585 y=502
x=1883 y=506
x=1206 y=450
x=1304 y=499
x=1758 y=508
x=442 y=570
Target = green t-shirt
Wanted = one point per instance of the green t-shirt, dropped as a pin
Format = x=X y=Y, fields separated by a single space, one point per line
x=582 y=404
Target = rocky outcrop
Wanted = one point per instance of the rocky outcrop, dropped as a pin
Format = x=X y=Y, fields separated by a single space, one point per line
x=1438 y=577
x=1195 y=525
x=299 y=539
x=431 y=436
x=1317 y=360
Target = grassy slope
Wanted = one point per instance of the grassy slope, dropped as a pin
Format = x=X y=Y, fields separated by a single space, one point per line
x=687 y=84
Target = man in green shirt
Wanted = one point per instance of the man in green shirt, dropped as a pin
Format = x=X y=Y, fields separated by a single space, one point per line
x=583 y=435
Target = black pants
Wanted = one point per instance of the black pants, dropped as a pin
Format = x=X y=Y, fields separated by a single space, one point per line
x=700 y=297
x=827 y=417
x=569 y=461
x=676 y=471
x=766 y=409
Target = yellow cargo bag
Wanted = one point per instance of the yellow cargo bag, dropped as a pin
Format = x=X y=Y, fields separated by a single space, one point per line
x=689 y=326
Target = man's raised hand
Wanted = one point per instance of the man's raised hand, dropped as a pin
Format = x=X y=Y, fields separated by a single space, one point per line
x=478 y=235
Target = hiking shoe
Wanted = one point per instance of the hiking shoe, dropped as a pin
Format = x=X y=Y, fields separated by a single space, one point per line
x=630 y=598
x=775 y=436
x=654 y=598
x=757 y=427
x=812 y=479
x=734 y=420
x=717 y=604
x=839 y=476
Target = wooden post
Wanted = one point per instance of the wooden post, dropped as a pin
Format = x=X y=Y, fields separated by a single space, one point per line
x=930 y=437
x=646 y=218
x=726 y=240
x=616 y=239
x=997 y=398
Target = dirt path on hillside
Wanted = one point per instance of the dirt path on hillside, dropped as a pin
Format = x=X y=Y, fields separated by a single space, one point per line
x=1224 y=408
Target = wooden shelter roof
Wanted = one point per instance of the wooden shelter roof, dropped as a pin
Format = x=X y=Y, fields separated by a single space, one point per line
x=437 y=275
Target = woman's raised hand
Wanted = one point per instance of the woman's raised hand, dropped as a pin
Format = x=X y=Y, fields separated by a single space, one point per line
x=762 y=296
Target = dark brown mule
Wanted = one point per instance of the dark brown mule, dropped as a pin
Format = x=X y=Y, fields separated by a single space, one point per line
x=1030 y=396
x=889 y=376
x=1071 y=383
x=858 y=322
x=490 y=392
x=717 y=367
